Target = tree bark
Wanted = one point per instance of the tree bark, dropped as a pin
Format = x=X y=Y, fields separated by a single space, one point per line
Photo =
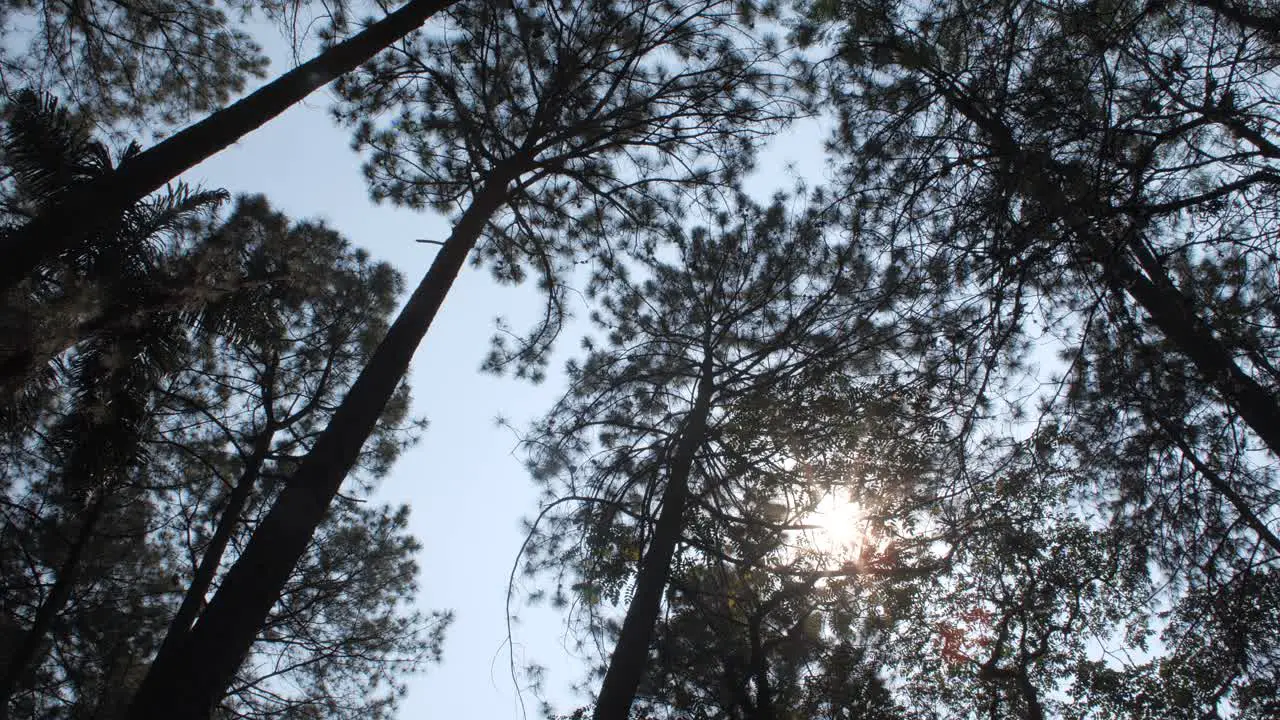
x=191 y=679
x=28 y=649
x=73 y=217
x=182 y=621
x=631 y=653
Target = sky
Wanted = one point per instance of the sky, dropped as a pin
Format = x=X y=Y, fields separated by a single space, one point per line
x=464 y=482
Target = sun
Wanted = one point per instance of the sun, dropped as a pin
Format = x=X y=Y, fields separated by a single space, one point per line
x=835 y=527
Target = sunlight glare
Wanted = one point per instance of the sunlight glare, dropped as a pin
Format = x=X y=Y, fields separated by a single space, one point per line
x=836 y=527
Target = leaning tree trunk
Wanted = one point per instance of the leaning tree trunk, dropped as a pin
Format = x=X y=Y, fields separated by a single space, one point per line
x=1129 y=267
x=81 y=210
x=190 y=680
x=1169 y=311
x=27 y=652
x=631 y=653
x=202 y=580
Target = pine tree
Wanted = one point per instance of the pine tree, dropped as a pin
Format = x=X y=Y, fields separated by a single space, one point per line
x=129 y=61
x=71 y=222
x=1099 y=181
x=214 y=432
x=651 y=461
x=542 y=150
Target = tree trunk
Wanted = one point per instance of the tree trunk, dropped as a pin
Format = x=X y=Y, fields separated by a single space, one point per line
x=1246 y=15
x=191 y=679
x=181 y=624
x=28 y=650
x=1177 y=435
x=83 y=209
x=760 y=673
x=1167 y=306
x=1035 y=711
x=631 y=653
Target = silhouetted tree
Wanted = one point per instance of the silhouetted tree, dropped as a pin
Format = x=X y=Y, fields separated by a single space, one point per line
x=542 y=132
x=110 y=285
x=1099 y=180
x=125 y=61
x=649 y=457
x=743 y=640
x=214 y=433
x=72 y=221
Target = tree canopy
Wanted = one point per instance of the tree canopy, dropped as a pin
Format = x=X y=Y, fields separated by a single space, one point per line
x=982 y=423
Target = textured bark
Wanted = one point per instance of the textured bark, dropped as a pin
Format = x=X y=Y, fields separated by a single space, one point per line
x=631 y=653
x=189 y=681
x=72 y=218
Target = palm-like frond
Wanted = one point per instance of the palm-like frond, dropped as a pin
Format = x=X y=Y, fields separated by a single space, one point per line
x=116 y=279
x=173 y=211
x=132 y=248
x=111 y=379
x=47 y=150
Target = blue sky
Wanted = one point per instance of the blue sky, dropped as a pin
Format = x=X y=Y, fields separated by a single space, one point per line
x=464 y=482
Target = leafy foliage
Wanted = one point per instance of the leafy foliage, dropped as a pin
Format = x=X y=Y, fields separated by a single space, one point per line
x=228 y=409
x=781 y=323
x=1095 y=180
x=596 y=110
x=127 y=61
x=1027 y=343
